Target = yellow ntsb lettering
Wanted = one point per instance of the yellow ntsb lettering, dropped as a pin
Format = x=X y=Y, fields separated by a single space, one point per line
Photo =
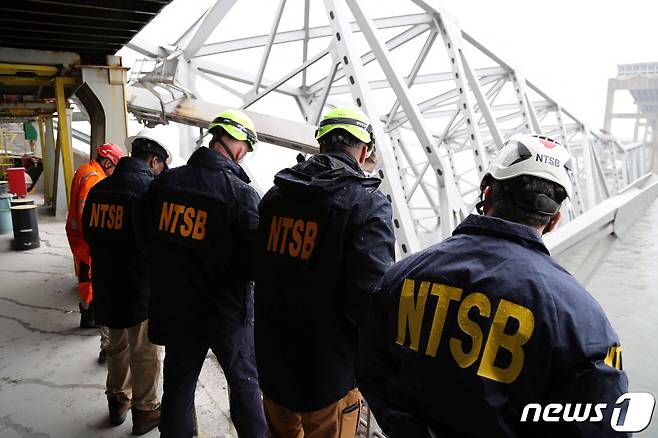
x=481 y=302
x=510 y=342
x=414 y=298
x=613 y=357
x=411 y=312
x=295 y=237
x=108 y=216
x=445 y=294
x=192 y=224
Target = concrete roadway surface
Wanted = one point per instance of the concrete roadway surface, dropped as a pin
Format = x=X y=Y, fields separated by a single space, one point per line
x=50 y=382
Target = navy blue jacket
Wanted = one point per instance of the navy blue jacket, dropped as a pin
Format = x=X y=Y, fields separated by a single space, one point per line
x=464 y=334
x=324 y=243
x=120 y=275
x=201 y=221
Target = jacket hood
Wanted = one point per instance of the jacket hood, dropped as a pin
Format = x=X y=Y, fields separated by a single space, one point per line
x=323 y=174
x=132 y=165
x=494 y=226
x=209 y=158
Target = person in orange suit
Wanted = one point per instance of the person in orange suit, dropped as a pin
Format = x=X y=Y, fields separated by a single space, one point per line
x=107 y=157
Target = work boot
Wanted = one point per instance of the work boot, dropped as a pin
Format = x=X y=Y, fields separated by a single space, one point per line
x=118 y=409
x=145 y=421
x=87 y=317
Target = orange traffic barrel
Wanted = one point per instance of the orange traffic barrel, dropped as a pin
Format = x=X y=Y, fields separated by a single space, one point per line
x=26 y=227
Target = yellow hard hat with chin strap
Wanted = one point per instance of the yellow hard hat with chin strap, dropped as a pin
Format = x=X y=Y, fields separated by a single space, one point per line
x=236 y=124
x=352 y=120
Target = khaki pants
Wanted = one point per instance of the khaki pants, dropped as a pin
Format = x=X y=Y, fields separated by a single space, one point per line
x=339 y=420
x=133 y=367
x=105 y=337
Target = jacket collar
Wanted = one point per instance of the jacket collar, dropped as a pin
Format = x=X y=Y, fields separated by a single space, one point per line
x=132 y=165
x=493 y=226
x=347 y=161
x=97 y=167
x=206 y=157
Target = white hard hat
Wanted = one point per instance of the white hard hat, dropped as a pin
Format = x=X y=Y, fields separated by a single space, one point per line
x=156 y=135
x=533 y=155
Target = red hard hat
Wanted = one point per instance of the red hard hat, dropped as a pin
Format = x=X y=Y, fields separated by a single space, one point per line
x=110 y=151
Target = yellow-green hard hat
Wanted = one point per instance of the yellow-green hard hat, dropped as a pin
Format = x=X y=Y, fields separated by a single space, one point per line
x=238 y=125
x=351 y=119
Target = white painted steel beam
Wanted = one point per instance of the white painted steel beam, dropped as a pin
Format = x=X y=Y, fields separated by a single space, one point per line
x=451 y=211
x=301 y=34
x=196 y=112
x=205 y=26
x=407 y=239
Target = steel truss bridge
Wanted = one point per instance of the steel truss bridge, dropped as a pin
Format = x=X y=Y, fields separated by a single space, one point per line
x=441 y=103
x=439 y=114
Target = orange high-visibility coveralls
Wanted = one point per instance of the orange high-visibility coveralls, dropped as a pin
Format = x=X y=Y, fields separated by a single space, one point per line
x=84 y=179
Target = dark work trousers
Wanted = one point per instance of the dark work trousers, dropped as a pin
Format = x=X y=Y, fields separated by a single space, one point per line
x=182 y=366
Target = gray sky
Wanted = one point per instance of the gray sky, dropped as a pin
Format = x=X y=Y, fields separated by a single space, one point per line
x=569 y=48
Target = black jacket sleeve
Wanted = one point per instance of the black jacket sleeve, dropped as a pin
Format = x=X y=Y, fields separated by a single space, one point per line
x=145 y=207
x=369 y=252
x=377 y=360
x=589 y=352
x=246 y=228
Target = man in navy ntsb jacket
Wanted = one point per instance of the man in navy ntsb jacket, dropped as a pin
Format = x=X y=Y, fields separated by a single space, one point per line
x=325 y=241
x=121 y=281
x=463 y=335
x=200 y=223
